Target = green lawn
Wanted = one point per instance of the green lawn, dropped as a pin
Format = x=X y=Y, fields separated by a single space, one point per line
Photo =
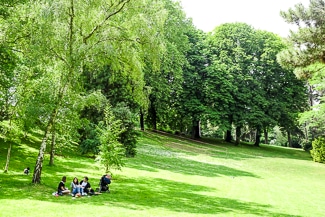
x=172 y=177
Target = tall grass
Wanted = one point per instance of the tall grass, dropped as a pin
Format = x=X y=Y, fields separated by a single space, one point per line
x=172 y=176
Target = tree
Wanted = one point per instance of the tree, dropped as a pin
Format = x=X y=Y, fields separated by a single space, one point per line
x=230 y=82
x=10 y=81
x=282 y=95
x=129 y=136
x=191 y=102
x=142 y=43
x=72 y=35
x=10 y=133
x=8 y=63
x=306 y=55
x=247 y=83
x=165 y=80
x=111 y=150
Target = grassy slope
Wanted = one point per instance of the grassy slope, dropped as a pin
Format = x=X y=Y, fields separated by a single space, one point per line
x=172 y=177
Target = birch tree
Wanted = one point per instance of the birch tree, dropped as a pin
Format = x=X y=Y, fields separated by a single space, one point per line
x=60 y=38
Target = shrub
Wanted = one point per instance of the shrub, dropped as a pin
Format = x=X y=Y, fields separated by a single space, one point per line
x=306 y=145
x=318 y=151
x=89 y=142
x=295 y=143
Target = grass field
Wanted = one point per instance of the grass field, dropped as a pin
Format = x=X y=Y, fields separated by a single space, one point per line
x=171 y=176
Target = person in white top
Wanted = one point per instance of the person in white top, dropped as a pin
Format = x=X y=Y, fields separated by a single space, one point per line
x=85 y=186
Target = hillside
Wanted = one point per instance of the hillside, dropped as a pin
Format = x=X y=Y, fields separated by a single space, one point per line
x=172 y=176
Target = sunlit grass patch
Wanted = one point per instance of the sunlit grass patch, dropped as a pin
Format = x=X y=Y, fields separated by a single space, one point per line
x=172 y=177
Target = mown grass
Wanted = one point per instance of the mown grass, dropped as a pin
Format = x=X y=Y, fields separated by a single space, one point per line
x=171 y=176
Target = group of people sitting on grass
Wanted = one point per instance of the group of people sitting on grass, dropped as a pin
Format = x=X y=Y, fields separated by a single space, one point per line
x=83 y=187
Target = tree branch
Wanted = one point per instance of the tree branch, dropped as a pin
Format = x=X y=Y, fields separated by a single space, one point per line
x=58 y=56
x=102 y=23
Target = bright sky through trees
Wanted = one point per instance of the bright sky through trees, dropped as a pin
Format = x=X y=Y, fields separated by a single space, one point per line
x=261 y=14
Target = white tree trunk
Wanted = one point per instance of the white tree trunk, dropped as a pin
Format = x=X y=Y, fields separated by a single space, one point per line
x=8 y=159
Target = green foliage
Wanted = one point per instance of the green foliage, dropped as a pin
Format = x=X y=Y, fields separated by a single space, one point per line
x=306 y=43
x=306 y=144
x=90 y=142
x=278 y=137
x=209 y=130
x=318 y=151
x=111 y=151
x=244 y=83
x=129 y=135
x=191 y=103
x=10 y=132
x=165 y=82
x=91 y=114
x=305 y=54
x=8 y=81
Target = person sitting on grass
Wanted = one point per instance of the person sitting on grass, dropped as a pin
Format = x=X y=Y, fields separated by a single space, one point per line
x=75 y=187
x=104 y=182
x=86 y=187
x=61 y=188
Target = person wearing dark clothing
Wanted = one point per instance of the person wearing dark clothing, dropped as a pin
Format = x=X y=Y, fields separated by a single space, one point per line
x=61 y=188
x=86 y=187
x=104 y=182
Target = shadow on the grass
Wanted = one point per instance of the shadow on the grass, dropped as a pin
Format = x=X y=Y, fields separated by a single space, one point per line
x=142 y=194
x=218 y=148
x=185 y=166
x=183 y=197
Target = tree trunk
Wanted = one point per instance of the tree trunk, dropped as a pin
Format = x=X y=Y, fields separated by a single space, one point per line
x=228 y=136
x=40 y=158
x=8 y=159
x=196 y=131
x=238 y=133
x=289 y=139
x=306 y=131
x=252 y=134
x=154 y=119
x=266 y=136
x=258 y=137
x=311 y=94
x=9 y=152
x=52 y=152
x=141 y=120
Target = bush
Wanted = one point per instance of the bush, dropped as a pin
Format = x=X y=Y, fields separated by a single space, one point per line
x=89 y=141
x=295 y=143
x=318 y=151
x=306 y=145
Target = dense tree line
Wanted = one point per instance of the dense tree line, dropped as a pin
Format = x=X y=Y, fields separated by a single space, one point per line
x=305 y=53
x=89 y=72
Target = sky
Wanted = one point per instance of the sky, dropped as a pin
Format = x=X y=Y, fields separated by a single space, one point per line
x=261 y=14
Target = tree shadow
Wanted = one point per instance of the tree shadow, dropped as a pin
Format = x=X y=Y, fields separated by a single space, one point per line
x=218 y=148
x=151 y=193
x=183 y=197
x=166 y=160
